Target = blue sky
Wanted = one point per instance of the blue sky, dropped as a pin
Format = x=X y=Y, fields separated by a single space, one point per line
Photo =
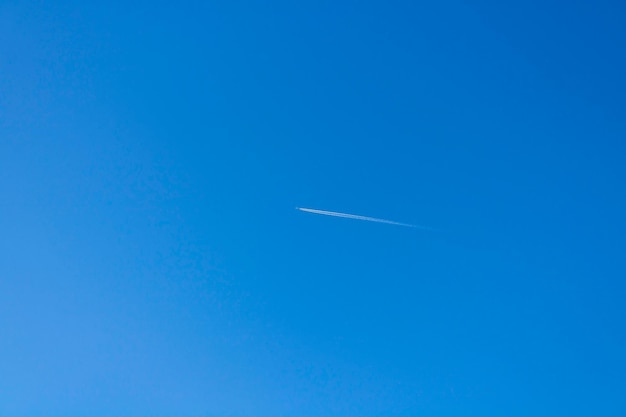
x=152 y=155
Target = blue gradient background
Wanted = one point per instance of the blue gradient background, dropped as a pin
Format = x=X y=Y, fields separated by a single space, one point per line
x=152 y=262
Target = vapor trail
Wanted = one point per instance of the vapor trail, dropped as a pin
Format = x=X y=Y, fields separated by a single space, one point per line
x=356 y=217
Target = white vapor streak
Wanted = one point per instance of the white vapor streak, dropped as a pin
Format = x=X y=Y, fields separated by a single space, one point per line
x=356 y=217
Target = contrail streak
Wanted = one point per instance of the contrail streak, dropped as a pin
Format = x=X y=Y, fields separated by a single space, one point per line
x=356 y=217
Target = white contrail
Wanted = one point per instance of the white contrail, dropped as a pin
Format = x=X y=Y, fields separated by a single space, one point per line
x=356 y=217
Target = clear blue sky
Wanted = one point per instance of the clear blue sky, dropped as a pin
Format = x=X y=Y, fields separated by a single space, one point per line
x=152 y=262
